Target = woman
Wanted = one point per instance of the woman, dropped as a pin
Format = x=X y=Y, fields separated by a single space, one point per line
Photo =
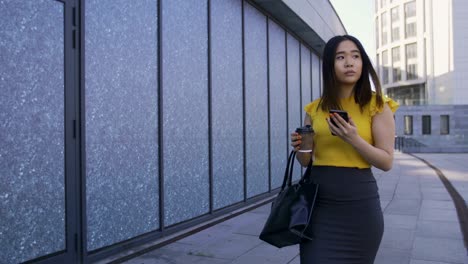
x=347 y=222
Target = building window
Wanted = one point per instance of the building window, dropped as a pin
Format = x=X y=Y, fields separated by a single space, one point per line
x=395 y=34
x=408 y=125
x=396 y=54
x=383 y=19
x=411 y=51
x=410 y=9
x=385 y=67
x=377 y=32
x=378 y=60
x=396 y=74
x=395 y=15
x=394 y=20
x=444 y=124
x=412 y=72
x=426 y=124
x=411 y=61
x=410 y=29
x=410 y=19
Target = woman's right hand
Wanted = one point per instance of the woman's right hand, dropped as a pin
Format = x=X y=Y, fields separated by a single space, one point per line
x=296 y=141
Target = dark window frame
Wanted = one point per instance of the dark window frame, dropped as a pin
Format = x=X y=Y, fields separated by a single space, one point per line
x=426 y=125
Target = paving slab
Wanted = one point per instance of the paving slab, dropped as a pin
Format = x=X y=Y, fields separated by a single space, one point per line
x=439 y=249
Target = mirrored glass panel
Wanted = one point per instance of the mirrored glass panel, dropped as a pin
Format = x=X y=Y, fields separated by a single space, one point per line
x=294 y=92
x=256 y=101
x=121 y=112
x=226 y=102
x=32 y=172
x=306 y=89
x=279 y=139
x=185 y=109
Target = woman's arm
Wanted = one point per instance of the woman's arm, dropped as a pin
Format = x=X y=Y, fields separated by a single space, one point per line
x=379 y=155
x=302 y=157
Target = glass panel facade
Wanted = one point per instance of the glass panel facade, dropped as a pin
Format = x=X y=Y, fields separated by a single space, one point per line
x=295 y=111
x=306 y=91
x=32 y=173
x=256 y=101
x=121 y=120
x=279 y=139
x=316 y=77
x=185 y=114
x=226 y=101
x=129 y=118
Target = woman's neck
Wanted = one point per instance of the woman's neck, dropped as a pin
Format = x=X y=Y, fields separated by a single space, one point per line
x=346 y=91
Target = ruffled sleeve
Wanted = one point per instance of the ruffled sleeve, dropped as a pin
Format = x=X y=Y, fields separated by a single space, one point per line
x=387 y=100
x=311 y=108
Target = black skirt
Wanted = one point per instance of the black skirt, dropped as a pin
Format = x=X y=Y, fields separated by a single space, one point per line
x=347 y=222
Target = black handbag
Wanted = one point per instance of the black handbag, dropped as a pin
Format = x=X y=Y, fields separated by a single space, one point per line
x=291 y=211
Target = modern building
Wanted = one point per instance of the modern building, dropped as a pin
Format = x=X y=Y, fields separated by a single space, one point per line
x=125 y=122
x=422 y=61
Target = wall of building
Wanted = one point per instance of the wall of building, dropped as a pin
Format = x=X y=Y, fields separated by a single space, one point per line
x=455 y=141
x=460 y=40
x=182 y=112
x=440 y=34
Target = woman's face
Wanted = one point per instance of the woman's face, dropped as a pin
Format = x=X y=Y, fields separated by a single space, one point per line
x=348 y=63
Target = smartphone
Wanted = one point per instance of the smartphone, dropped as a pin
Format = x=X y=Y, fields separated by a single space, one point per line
x=343 y=115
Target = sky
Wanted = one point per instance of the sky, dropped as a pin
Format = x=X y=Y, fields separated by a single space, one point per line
x=357 y=17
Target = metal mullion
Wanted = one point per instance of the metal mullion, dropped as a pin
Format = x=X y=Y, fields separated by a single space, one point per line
x=268 y=102
x=287 y=92
x=81 y=151
x=160 y=119
x=243 y=104
x=210 y=116
x=311 y=77
x=300 y=81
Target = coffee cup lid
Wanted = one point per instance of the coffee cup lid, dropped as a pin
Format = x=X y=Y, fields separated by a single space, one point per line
x=305 y=129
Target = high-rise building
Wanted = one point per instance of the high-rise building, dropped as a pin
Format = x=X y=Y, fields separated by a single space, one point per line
x=423 y=64
x=420 y=53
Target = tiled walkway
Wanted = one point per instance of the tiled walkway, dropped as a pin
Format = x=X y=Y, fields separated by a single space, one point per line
x=421 y=224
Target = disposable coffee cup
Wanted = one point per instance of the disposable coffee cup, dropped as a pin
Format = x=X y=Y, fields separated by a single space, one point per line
x=307 y=134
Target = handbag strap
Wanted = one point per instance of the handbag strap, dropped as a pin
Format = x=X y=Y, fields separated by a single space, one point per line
x=309 y=166
x=288 y=170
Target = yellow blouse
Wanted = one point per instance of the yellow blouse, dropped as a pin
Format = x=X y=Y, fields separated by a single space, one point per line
x=331 y=150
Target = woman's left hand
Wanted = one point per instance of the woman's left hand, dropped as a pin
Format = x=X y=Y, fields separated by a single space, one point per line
x=345 y=130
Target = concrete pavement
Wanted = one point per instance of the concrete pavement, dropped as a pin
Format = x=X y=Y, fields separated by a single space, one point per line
x=421 y=223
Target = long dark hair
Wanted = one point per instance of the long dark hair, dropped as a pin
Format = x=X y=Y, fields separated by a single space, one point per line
x=362 y=89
